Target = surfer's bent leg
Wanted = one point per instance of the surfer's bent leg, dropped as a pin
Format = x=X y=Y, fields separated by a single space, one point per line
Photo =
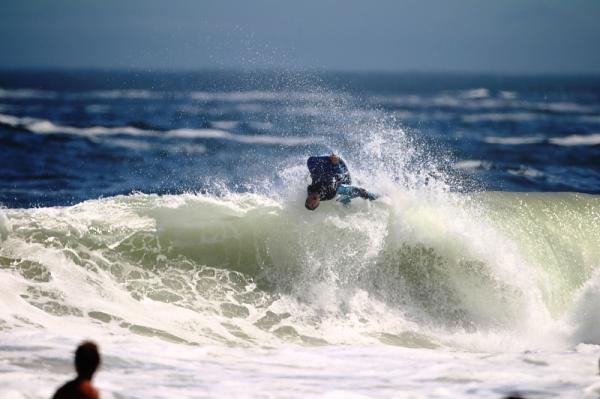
x=348 y=192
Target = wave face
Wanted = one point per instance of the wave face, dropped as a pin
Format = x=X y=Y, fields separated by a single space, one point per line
x=413 y=269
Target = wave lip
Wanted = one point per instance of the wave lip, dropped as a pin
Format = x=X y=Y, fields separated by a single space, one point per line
x=525 y=171
x=131 y=94
x=27 y=94
x=472 y=164
x=577 y=139
x=500 y=117
x=256 y=96
x=476 y=93
x=42 y=126
x=566 y=141
x=565 y=107
x=514 y=140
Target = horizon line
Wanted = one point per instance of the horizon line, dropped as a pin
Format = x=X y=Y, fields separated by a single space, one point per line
x=280 y=70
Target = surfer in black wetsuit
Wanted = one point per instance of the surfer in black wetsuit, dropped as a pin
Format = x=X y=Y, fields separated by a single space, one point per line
x=330 y=177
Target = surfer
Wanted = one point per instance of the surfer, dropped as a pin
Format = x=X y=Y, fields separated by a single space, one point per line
x=330 y=177
x=87 y=360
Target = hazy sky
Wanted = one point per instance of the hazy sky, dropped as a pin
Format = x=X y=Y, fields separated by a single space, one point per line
x=514 y=36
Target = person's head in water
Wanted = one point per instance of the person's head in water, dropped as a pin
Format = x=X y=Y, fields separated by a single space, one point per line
x=312 y=201
x=87 y=360
x=315 y=193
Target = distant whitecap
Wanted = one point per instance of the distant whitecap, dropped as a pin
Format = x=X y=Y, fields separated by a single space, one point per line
x=577 y=139
x=514 y=140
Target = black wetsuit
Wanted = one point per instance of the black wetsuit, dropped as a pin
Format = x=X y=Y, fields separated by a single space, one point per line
x=329 y=180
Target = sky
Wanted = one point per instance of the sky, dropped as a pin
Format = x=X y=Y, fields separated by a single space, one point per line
x=497 y=36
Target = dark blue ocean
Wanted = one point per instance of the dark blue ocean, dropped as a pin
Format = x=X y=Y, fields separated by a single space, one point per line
x=68 y=136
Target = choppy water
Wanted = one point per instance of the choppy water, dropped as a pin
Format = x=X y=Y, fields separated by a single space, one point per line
x=162 y=215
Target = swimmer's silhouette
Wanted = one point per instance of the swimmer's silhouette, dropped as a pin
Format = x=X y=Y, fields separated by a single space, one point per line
x=87 y=360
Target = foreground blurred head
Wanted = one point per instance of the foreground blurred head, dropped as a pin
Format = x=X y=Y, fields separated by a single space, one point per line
x=87 y=360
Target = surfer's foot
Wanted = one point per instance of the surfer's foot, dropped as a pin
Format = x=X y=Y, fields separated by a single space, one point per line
x=372 y=197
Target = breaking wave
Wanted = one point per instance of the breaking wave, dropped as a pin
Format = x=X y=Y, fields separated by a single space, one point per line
x=42 y=126
x=413 y=269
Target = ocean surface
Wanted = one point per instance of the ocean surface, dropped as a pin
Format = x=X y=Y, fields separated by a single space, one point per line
x=162 y=215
